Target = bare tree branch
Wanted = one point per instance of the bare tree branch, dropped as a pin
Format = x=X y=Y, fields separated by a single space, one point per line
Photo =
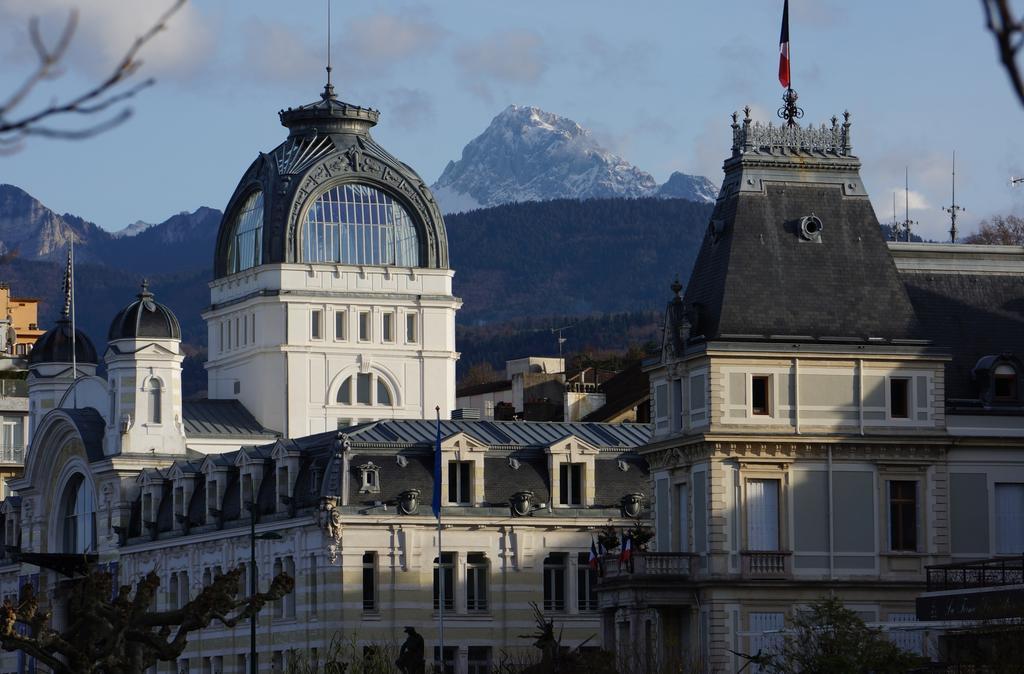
x=106 y=94
x=1009 y=35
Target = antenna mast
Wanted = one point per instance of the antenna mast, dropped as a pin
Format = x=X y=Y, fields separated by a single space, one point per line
x=953 y=208
x=906 y=203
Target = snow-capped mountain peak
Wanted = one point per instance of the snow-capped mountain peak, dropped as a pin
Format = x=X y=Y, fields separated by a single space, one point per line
x=529 y=154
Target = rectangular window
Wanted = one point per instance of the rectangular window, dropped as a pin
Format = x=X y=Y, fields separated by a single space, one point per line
x=762 y=515
x=479 y=660
x=459 y=484
x=254 y=328
x=410 y=329
x=476 y=582
x=1009 y=518
x=903 y=515
x=363 y=389
x=899 y=397
x=448 y=666
x=237 y=333
x=316 y=324
x=220 y=338
x=229 y=333
x=760 y=400
x=387 y=326
x=447 y=579
x=554 y=582
x=340 y=317
x=284 y=608
x=364 y=326
x=570 y=490
x=245 y=330
x=586 y=584
x=314 y=586
x=370 y=581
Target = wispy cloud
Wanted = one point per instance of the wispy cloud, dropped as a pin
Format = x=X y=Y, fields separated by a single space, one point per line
x=506 y=57
x=409 y=108
x=377 y=42
x=106 y=29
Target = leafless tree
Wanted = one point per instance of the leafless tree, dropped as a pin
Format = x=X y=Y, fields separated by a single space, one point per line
x=1008 y=31
x=1004 y=230
x=104 y=100
x=122 y=633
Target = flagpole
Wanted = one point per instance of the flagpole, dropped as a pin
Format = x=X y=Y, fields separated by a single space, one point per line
x=440 y=548
x=74 y=349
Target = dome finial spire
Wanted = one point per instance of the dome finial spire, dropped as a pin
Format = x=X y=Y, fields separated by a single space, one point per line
x=328 y=93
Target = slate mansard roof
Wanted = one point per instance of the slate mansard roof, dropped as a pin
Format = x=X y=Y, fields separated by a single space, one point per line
x=402 y=450
x=759 y=275
x=969 y=300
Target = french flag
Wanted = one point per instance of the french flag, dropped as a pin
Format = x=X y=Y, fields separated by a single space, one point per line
x=627 y=549
x=592 y=561
x=784 y=78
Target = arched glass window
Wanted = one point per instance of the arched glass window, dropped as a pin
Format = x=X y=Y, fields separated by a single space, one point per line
x=245 y=249
x=359 y=387
x=78 y=509
x=383 y=394
x=154 y=401
x=358 y=224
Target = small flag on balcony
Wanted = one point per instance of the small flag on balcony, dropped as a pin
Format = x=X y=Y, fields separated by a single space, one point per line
x=592 y=561
x=784 y=78
x=627 y=549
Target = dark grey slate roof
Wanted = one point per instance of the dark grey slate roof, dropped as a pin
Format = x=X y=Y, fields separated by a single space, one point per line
x=383 y=442
x=54 y=346
x=144 y=317
x=221 y=418
x=90 y=426
x=760 y=278
x=510 y=434
x=972 y=315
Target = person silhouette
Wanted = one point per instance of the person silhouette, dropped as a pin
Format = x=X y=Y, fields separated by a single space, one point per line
x=410 y=657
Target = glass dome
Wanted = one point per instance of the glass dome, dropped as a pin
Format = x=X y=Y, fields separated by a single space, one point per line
x=245 y=247
x=359 y=224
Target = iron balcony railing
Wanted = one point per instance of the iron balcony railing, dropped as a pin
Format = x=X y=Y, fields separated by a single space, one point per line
x=12 y=454
x=980 y=573
x=667 y=564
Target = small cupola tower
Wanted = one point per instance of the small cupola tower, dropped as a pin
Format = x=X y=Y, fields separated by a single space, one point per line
x=59 y=356
x=144 y=375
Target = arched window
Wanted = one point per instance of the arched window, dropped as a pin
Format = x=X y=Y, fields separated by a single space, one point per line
x=359 y=224
x=358 y=388
x=383 y=394
x=154 y=401
x=245 y=248
x=78 y=511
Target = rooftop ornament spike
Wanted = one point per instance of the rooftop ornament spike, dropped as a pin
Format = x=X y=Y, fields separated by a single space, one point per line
x=676 y=288
x=789 y=111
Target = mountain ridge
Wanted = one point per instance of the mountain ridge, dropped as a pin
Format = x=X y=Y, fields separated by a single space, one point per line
x=528 y=154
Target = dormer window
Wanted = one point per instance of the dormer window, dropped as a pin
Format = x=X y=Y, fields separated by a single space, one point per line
x=1004 y=383
x=370 y=474
x=459 y=482
x=571 y=484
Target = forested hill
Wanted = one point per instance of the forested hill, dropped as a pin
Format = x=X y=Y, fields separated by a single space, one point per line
x=520 y=269
x=570 y=257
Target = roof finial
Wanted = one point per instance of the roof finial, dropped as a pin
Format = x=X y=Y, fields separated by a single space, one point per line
x=145 y=289
x=328 y=88
x=676 y=287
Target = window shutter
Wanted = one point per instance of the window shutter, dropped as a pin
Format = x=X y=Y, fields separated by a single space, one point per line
x=1009 y=518
x=763 y=514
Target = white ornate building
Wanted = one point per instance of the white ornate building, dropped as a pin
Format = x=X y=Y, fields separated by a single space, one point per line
x=331 y=308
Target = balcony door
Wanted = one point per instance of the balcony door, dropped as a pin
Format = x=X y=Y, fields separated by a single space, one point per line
x=762 y=514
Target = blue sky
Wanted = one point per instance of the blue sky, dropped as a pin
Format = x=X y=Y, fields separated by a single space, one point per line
x=655 y=80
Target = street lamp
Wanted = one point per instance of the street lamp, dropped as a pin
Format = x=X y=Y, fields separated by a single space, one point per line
x=266 y=536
